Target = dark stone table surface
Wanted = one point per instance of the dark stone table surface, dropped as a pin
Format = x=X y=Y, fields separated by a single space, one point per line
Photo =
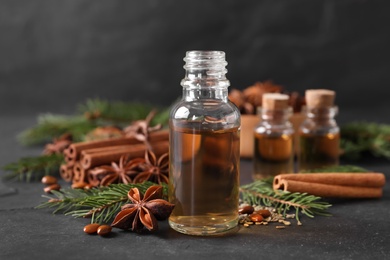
x=357 y=229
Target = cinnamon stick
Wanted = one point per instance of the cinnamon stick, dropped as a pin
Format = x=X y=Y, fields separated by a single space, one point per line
x=75 y=149
x=66 y=172
x=329 y=190
x=347 y=179
x=79 y=174
x=90 y=160
x=337 y=185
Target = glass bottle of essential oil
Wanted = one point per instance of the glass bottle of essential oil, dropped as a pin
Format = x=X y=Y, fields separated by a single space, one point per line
x=319 y=134
x=273 y=144
x=204 y=149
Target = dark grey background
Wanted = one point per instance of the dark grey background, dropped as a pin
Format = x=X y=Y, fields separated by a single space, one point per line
x=54 y=54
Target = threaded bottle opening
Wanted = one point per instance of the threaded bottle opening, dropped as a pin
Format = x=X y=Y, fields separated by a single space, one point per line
x=213 y=61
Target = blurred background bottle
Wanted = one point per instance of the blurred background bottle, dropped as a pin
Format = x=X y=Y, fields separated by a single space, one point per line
x=273 y=144
x=319 y=133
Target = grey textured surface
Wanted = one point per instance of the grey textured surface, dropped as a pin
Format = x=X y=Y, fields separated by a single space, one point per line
x=133 y=50
x=358 y=229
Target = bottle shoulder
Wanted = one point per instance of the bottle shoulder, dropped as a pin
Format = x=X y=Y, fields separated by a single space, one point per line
x=266 y=128
x=207 y=112
x=311 y=126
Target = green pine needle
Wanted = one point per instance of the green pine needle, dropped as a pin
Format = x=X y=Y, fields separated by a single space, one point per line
x=119 y=113
x=361 y=137
x=93 y=113
x=100 y=204
x=33 y=168
x=52 y=126
x=261 y=193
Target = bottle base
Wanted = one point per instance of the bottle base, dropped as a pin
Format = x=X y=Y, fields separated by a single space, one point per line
x=192 y=226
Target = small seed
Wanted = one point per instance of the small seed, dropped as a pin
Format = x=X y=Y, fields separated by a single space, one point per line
x=246 y=225
x=49 y=180
x=287 y=223
x=91 y=228
x=78 y=185
x=249 y=222
x=280 y=227
x=88 y=187
x=256 y=217
x=51 y=187
x=246 y=210
x=104 y=230
x=258 y=223
x=264 y=212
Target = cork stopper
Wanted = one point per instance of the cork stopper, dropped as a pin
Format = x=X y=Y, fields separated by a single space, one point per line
x=275 y=101
x=319 y=98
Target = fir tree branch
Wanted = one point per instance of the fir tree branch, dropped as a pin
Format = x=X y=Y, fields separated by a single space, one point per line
x=51 y=126
x=101 y=204
x=120 y=113
x=33 y=168
x=93 y=113
x=361 y=137
x=338 y=168
x=261 y=193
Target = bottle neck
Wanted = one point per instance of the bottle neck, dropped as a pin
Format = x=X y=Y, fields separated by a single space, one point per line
x=271 y=116
x=321 y=116
x=205 y=76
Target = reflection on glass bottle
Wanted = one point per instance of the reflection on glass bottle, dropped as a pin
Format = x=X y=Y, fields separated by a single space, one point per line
x=273 y=144
x=204 y=149
x=319 y=133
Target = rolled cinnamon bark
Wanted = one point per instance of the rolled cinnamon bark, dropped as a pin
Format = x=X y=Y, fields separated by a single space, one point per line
x=75 y=149
x=329 y=190
x=79 y=174
x=134 y=151
x=66 y=172
x=345 y=179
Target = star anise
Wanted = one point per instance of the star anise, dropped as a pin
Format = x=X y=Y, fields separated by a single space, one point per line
x=144 y=210
x=116 y=173
x=154 y=170
x=58 y=145
x=140 y=129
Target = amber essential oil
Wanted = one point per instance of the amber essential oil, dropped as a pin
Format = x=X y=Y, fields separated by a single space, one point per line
x=273 y=154
x=318 y=151
x=204 y=173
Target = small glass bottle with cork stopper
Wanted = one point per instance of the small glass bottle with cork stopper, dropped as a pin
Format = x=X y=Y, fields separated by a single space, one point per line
x=273 y=144
x=319 y=134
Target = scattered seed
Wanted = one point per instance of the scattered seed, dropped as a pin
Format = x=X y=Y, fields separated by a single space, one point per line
x=49 y=180
x=91 y=228
x=287 y=223
x=263 y=212
x=246 y=225
x=256 y=217
x=51 y=187
x=104 y=230
x=246 y=210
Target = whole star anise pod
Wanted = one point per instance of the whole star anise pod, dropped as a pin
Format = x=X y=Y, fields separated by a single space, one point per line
x=58 y=145
x=115 y=173
x=140 y=129
x=154 y=170
x=144 y=210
